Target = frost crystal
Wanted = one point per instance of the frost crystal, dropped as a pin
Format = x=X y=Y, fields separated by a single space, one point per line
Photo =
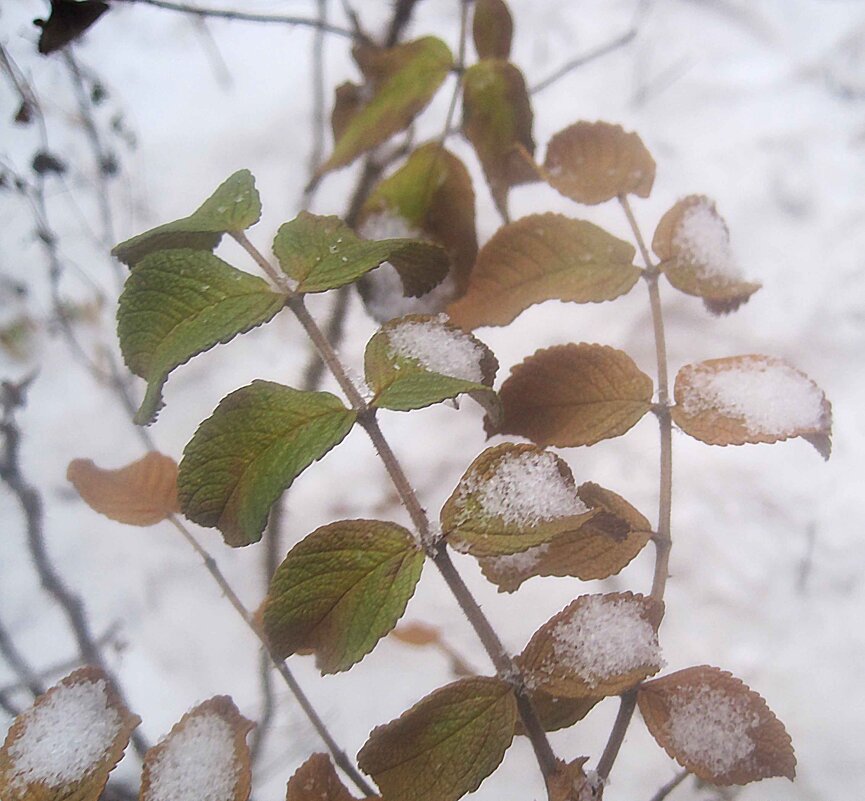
x=439 y=349
x=702 y=237
x=711 y=728
x=605 y=638
x=771 y=397
x=197 y=762
x=65 y=736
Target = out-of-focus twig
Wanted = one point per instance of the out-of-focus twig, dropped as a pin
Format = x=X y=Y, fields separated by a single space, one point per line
x=15 y=659
x=671 y=785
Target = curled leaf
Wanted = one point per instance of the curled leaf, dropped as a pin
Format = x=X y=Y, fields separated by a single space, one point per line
x=716 y=726
x=492 y=29
x=140 y=494
x=317 y=780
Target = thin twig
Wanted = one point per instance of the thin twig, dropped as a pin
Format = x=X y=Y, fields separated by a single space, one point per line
x=319 y=116
x=400 y=19
x=671 y=785
x=627 y=703
x=15 y=659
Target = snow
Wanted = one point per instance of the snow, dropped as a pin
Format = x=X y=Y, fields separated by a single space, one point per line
x=702 y=237
x=520 y=562
x=438 y=348
x=65 y=736
x=770 y=396
x=197 y=762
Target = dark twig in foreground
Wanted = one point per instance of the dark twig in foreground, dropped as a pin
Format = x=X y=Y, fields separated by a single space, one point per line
x=671 y=785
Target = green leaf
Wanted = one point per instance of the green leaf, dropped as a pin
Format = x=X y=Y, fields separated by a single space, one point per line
x=179 y=303
x=511 y=498
x=257 y=441
x=403 y=81
x=234 y=206
x=446 y=744
x=418 y=360
x=321 y=253
x=340 y=590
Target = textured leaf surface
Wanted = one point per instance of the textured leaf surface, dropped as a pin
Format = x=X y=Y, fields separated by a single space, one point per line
x=511 y=498
x=204 y=756
x=321 y=253
x=257 y=441
x=544 y=257
x=492 y=29
x=717 y=727
x=693 y=244
x=592 y=162
x=66 y=744
x=340 y=590
x=179 y=303
x=446 y=744
x=600 y=548
x=751 y=399
x=317 y=780
x=575 y=394
x=234 y=206
x=558 y=713
x=418 y=360
x=140 y=494
x=598 y=645
x=403 y=80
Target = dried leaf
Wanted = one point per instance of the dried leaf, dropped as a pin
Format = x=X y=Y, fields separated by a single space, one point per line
x=576 y=394
x=67 y=743
x=592 y=162
x=317 y=780
x=141 y=494
x=69 y=19
x=570 y=783
x=716 y=726
x=598 y=645
x=205 y=755
x=512 y=497
x=492 y=29
x=348 y=100
x=446 y=744
x=557 y=713
x=544 y=257
x=693 y=244
x=751 y=399
x=417 y=633
x=340 y=590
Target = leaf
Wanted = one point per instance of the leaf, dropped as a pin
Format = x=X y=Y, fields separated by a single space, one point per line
x=418 y=360
x=317 y=780
x=321 y=253
x=544 y=257
x=66 y=744
x=492 y=29
x=340 y=590
x=570 y=783
x=205 y=755
x=446 y=744
x=180 y=303
x=257 y=441
x=511 y=498
x=751 y=399
x=141 y=494
x=601 y=547
x=497 y=120
x=592 y=162
x=598 y=645
x=234 y=206
x=417 y=633
x=693 y=244
x=571 y=395
x=716 y=726
x=556 y=713
x=403 y=80
x=69 y=19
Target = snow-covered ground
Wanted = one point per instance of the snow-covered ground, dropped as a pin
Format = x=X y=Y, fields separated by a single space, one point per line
x=759 y=105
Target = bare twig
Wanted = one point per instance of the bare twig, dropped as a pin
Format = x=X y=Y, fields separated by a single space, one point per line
x=671 y=785
x=15 y=659
x=401 y=17
x=319 y=116
x=627 y=703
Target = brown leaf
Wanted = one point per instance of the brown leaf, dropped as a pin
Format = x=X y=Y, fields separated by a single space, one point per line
x=557 y=713
x=544 y=257
x=417 y=633
x=68 y=20
x=204 y=755
x=570 y=783
x=601 y=547
x=492 y=29
x=348 y=100
x=716 y=726
x=693 y=244
x=576 y=394
x=598 y=645
x=141 y=494
x=751 y=399
x=592 y=162
x=66 y=744
x=317 y=780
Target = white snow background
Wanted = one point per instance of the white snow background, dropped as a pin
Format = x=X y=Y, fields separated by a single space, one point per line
x=759 y=105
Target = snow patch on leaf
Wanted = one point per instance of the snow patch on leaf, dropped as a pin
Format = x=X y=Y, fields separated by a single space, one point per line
x=702 y=237
x=438 y=348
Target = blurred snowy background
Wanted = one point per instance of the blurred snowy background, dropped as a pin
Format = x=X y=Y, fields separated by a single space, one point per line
x=758 y=104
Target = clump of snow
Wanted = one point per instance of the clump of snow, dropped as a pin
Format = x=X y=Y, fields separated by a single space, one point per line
x=65 y=736
x=525 y=489
x=605 y=638
x=710 y=727
x=702 y=237
x=771 y=397
x=197 y=762
x=438 y=348
x=523 y=561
